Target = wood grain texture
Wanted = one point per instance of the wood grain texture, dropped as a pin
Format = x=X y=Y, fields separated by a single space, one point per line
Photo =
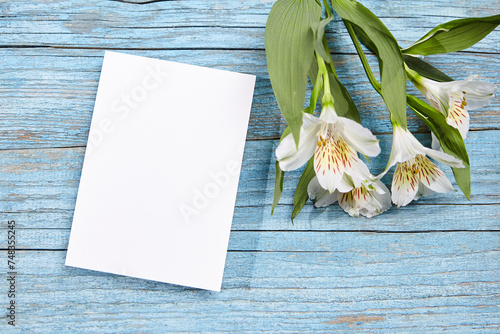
x=200 y=24
x=430 y=267
x=56 y=173
x=367 y=282
x=51 y=92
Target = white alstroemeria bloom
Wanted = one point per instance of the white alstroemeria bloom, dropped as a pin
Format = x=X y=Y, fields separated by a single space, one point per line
x=369 y=199
x=334 y=141
x=453 y=99
x=415 y=173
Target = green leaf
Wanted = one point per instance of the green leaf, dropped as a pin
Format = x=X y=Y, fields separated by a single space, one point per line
x=449 y=137
x=278 y=185
x=289 y=46
x=365 y=40
x=454 y=36
x=319 y=33
x=343 y=103
x=342 y=100
x=414 y=63
x=301 y=196
x=393 y=79
x=425 y=69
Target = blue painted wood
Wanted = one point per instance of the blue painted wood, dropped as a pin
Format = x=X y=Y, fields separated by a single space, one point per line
x=198 y=24
x=57 y=172
x=410 y=283
x=430 y=267
x=51 y=92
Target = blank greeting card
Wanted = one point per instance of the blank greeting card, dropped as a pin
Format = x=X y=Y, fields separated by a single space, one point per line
x=161 y=171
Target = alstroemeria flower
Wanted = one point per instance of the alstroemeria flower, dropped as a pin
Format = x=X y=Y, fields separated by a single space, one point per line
x=453 y=99
x=415 y=172
x=334 y=141
x=369 y=199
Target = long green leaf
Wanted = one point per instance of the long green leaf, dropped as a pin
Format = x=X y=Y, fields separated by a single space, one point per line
x=289 y=46
x=454 y=36
x=278 y=185
x=365 y=40
x=393 y=79
x=449 y=137
x=421 y=67
x=301 y=196
x=425 y=69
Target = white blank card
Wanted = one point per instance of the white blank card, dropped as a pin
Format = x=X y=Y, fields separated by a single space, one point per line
x=161 y=170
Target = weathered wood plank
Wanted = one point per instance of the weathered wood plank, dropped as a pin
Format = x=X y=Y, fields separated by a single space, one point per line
x=287 y=240
x=48 y=94
x=426 y=218
x=39 y=187
x=198 y=24
x=410 y=283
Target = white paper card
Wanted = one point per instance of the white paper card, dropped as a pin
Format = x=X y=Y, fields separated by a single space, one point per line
x=161 y=170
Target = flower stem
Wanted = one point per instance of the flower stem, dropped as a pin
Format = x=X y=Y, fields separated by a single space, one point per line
x=362 y=57
x=322 y=70
x=327 y=95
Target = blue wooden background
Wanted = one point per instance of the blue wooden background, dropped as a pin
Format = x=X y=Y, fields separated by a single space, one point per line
x=430 y=267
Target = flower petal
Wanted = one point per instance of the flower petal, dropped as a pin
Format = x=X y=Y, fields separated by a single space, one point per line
x=309 y=120
x=458 y=116
x=348 y=203
x=359 y=173
x=359 y=137
x=384 y=199
x=404 y=184
x=404 y=147
x=459 y=119
x=444 y=158
x=328 y=114
x=436 y=145
x=330 y=179
x=346 y=184
x=331 y=159
x=375 y=206
x=321 y=196
x=431 y=176
x=437 y=93
x=478 y=93
x=362 y=201
x=377 y=186
x=422 y=191
x=291 y=158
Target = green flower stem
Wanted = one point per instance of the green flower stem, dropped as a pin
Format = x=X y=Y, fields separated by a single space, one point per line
x=322 y=70
x=362 y=57
x=327 y=96
x=315 y=93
